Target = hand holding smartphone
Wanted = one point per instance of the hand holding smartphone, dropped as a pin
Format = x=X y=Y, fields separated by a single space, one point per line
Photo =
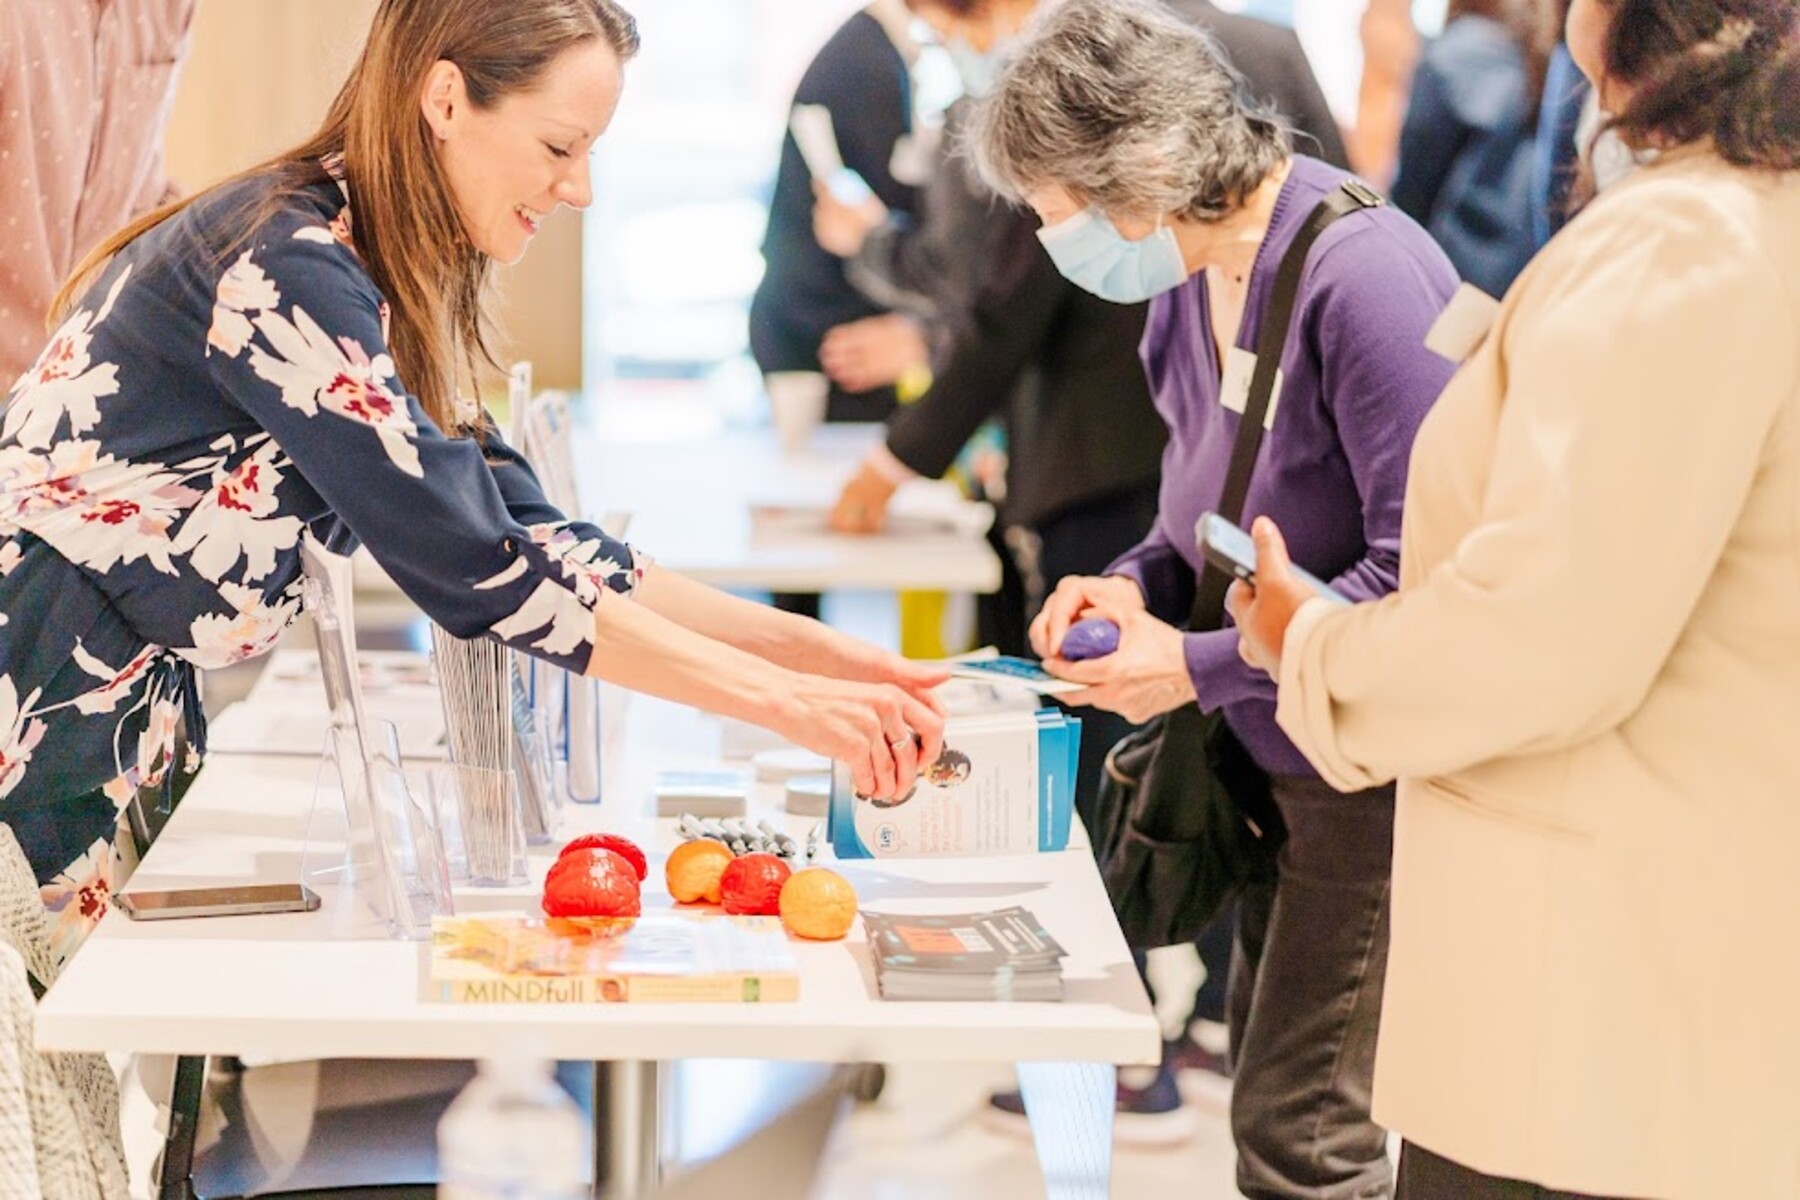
x=236 y=901
x=1230 y=549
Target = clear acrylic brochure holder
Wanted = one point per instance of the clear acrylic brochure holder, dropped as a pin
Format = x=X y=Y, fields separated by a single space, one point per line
x=566 y=707
x=480 y=815
x=540 y=802
x=371 y=843
x=497 y=783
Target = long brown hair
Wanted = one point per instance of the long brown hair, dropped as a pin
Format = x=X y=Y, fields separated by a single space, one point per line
x=1728 y=70
x=406 y=226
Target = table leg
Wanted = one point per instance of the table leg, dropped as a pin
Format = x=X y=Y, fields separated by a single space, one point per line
x=175 y=1168
x=1070 y=1106
x=628 y=1126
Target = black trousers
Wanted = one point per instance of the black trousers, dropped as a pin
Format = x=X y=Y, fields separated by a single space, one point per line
x=1305 y=1001
x=1428 y=1176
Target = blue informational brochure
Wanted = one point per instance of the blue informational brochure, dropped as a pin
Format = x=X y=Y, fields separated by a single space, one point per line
x=1005 y=667
x=1003 y=785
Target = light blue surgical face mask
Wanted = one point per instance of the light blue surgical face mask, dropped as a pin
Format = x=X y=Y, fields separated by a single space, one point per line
x=977 y=70
x=1092 y=254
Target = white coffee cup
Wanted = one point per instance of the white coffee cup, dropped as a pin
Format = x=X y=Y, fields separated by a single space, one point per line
x=797 y=402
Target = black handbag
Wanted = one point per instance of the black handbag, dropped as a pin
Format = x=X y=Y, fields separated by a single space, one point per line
x=1184 y=818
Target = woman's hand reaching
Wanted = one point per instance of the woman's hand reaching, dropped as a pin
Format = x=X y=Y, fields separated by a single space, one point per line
x=881 y=731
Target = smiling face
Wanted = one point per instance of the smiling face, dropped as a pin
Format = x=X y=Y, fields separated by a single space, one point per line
x=513 y=164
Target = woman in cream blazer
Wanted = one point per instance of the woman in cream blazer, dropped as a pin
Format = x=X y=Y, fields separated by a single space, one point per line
x=1588 y=684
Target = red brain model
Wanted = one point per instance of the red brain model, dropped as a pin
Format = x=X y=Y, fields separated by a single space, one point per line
x=592 y=882
x=751 y=885
x=618 y=845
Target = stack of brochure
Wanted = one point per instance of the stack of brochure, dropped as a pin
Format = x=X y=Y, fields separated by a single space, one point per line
x=1004 y=784
x=1000 y=955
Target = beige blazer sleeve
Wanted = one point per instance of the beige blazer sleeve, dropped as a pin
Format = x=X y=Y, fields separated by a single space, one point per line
x=1642 y=380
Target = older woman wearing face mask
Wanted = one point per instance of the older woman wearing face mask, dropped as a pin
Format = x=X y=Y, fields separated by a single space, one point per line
x=1120 y=126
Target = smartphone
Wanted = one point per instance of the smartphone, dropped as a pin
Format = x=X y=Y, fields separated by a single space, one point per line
x=1230 y=549
x=235 y=901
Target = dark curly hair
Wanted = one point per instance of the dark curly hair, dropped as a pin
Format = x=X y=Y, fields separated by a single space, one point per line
x=1728 y=70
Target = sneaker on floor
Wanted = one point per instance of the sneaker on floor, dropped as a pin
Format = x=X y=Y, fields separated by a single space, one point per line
x=1188 y=1055
x=1147 y=1110
x=1202 y=1073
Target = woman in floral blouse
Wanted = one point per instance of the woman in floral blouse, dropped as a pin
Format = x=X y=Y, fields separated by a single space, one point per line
x=228 y=375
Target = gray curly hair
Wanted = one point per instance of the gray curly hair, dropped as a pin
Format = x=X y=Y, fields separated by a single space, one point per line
x=1131 y=109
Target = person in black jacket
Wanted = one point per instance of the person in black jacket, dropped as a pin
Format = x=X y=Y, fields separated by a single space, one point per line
x=861 y=76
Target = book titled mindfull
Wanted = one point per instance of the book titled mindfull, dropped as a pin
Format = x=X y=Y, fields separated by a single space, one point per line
x=658 y=958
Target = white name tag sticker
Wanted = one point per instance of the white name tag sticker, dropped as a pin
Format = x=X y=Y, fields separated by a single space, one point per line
x=1463 y=324
x=1234 y=384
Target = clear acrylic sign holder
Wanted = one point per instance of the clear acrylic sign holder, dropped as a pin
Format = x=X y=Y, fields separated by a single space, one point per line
x=376 y=847
x=565 y=708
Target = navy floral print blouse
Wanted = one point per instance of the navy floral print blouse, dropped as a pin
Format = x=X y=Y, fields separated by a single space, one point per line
x=213 y=397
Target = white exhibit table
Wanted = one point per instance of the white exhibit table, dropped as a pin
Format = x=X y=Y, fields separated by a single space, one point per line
x=691 y=500
x=289 y=985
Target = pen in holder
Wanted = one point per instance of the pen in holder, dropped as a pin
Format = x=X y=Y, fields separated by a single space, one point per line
x=487 y=846
x=475 y=681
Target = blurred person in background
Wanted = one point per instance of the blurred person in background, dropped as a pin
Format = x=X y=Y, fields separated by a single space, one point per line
x=1390 y=50
x=1121 y=126
x=861 y=76
x=1467 y=147
x=86 y=91
x=1556 y=154
x=1589 y=681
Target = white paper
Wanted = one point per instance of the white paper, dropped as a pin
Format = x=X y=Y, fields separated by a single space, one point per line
x=1234 y=384
x=817 y=139
x=1463 y=324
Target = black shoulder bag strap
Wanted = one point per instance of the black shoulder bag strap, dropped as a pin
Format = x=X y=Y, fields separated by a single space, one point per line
x=1352 y=196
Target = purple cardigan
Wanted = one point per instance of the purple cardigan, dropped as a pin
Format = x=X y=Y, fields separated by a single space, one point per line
x=1357 y=380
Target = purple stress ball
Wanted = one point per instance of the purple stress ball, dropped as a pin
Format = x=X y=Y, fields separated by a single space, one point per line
x=1095 y=637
